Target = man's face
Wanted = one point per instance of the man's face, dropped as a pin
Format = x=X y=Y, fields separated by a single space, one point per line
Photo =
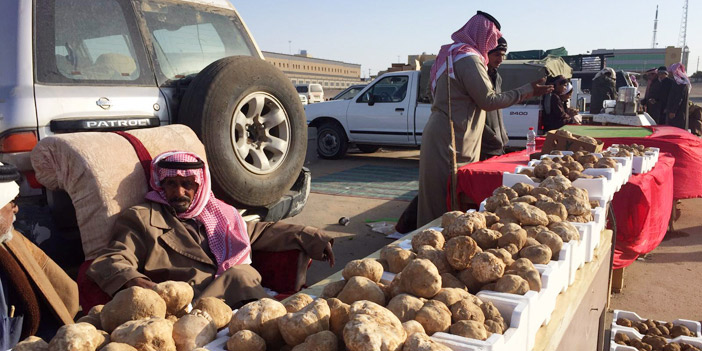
x=495 y=58
x=7 y=217
x=180 y=191
x=662 y=75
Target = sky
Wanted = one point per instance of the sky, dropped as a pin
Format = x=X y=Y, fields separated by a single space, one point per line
x=375 y=33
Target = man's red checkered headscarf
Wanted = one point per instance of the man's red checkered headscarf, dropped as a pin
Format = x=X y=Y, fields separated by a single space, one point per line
x=477 y=37
x=226 y=229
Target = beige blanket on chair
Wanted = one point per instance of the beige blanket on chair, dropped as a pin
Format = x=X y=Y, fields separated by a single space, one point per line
x=102 y=174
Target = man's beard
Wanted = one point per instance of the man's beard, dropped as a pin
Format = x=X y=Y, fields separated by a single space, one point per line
x=7 y=235
x=180 y=204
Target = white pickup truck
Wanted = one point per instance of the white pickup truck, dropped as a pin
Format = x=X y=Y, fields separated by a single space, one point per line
x=392 y=111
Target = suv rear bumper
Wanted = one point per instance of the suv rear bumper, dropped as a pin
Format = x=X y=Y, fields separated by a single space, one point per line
x=292 y=203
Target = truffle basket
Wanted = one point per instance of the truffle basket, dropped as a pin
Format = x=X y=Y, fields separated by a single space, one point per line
x=515 y=338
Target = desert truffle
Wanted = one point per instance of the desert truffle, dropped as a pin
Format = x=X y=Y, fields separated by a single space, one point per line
x=246 y=340
x=459 y=251
x=429 y=237
x=333 y=289
x=486 y=267
x=422 y=342
x=465 y=224
x=361 y=288
x=451 y=296
x=565 y=230
x=512 y=233
x=512 y=284
x=153 y=334
x=436 y=256
x=260 y=317
x=295 y=327
x=372 y=327
x=193 y=330
x=412 y=327
x=131 y=304
x=32 y=343
x=119 y=346
x=538 y=254
x=467 y=310
x=322 y=341
x=177 y=295
x=529 y=215
x=469 y=329
x=367 y=267
x=422 y=279
x=486 y=238
x=339 y=316
x=434 y=316
x=550 y=239
x=396 y=257
x=511 y=193
x=405 y=306
x=220 y=312
x=297 y=302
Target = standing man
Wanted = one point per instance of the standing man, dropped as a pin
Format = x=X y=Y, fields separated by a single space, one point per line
x=651 y=77
x=676 y=109
x=495 y=135
x=604 y=87
x=36 y=295
x=658 y=99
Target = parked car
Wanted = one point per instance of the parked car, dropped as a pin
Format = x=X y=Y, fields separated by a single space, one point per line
x=349 y=93
x=106 y=65
x=395 y=107
x=314 y=92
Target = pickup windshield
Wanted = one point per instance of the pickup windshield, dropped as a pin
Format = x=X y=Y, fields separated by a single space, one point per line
x=187 y=37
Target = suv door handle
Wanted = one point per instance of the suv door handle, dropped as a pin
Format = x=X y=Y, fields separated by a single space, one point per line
x=399 y=109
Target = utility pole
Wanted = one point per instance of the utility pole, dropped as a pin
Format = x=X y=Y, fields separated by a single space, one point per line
x=682 y=37
x=369 y=74
x=655 y=29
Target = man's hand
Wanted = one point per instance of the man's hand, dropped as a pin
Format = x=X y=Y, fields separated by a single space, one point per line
x=140 y=282
x=329 y=254
x=540 y=88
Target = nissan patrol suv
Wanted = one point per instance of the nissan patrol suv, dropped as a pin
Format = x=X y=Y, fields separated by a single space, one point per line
x=106 y=65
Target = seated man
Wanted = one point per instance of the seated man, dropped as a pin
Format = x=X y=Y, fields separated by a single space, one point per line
x=184 y=233
x=36 y=295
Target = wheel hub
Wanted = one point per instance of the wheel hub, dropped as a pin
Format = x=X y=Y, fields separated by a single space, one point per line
x=260 y=133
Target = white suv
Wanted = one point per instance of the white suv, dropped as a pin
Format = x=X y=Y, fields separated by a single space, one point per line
x=313 y=92
x=105 y=65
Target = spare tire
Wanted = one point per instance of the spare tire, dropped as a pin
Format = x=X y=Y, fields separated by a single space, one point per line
x=250 y=119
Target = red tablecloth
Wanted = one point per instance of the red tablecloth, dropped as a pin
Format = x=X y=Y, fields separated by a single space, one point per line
x=685 y=148
x=642 y=207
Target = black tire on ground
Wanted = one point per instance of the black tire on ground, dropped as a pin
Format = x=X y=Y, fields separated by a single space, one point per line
x=368 y=149
x=250 y=119
x=331 y=141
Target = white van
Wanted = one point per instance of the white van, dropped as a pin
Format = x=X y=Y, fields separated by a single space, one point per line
x=314 y=92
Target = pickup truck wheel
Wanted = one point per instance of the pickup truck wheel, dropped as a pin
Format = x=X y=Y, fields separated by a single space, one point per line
x=368 y=149
x=250 y=119
x=331 y=141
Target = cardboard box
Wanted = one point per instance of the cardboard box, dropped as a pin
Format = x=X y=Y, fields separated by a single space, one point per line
x=559 y=142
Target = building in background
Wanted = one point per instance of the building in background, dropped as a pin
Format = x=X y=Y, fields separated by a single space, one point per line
x=414 y=63
x=640 y=60
x=303 y=69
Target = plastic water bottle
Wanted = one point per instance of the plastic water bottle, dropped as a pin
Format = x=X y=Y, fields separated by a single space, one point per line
x=531 y=141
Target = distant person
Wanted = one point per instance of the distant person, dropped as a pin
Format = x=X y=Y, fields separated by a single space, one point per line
x=37 y=297
x=695 y=121
x=556 y=111
x=676 y=108
x=494 y=135
x=651 y=77
x=604 y=87
x=658 y=99
x=471 y=95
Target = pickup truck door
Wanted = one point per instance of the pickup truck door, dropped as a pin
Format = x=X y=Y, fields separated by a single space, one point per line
x=89 y=79
x=380 y=113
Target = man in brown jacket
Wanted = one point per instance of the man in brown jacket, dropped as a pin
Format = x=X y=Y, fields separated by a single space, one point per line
x=184 y=233
x=36 y=295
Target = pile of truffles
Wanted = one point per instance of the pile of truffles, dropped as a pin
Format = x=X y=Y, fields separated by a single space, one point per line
x=628 y=150
x=584 y=138
x=139 y=319
x=652 y=343
x=571 y=167
x=363 y=313
x=655 y=328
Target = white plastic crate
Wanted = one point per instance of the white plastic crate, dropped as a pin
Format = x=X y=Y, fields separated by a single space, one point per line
x=513 y=339
x=633 y=334
x=577 y=256
x=220 y=341
x=550 y=289
x=564 y=263
x=694 y=326
x=590 y=232
x=597 y=188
